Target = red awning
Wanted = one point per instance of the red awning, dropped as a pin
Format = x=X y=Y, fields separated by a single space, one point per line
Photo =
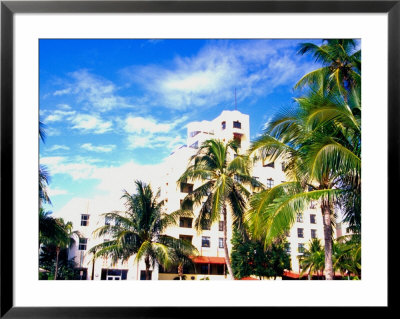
x=248 y=278
x=208 y=260
x=291 y=274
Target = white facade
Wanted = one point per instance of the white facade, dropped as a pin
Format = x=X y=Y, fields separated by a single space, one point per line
x=228 y=125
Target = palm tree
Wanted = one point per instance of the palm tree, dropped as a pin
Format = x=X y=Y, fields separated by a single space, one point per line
x=341 y=65
x=181 y=257
x=312 y=260
x=347 y=255
x=224 y=175
x=320 y=139
x=44 y=177
x=54 y=233
x=50 y=229
x=139 y=231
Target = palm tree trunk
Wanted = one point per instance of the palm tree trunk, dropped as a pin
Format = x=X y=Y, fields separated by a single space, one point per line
x=56 y=270
x=227 y=260
x=180 y=271
x=326 y=217
x=147 y=262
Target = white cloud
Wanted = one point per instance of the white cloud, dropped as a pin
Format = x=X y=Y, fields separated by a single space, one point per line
x=58 y=115
x=56 y=191
x=62 y=165
x=58 y=147
x=210 y=78
x=147 y=132
x=90 y=124
x=100 y=149
x=94 y=91
x=62 y=92
x=112 y=181
x=141 y=124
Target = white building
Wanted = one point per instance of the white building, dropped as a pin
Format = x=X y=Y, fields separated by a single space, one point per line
x=210 y=262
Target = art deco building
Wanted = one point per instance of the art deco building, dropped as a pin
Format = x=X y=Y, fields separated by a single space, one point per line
x=210 y=262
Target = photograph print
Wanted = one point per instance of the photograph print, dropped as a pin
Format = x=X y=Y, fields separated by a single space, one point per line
x=202 y=159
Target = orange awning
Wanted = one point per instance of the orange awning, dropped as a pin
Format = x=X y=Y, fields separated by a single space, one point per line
x=291 y=274
x=248 y=278
x=208 y=260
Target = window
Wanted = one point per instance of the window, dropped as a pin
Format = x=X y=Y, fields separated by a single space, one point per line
x=84 y=220
x=205 y=241
x=186 y=238
x=287 y=248
x=221 y=225
x=299 y=217
x=300 y=232
x=270 y=183
x=313 y=233
x=237 y=124
x=186 y=188
x=82 y=244
x=283 y=166
x=312 y=219
x=107 y=221
x=194 y=133
x=300 y=248
x=221 y=243
x=195 y=145
x=312 y=204
x=185 y=222
x=223 y=125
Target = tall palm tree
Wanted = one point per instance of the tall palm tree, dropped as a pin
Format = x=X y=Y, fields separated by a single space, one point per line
x=313 y=260
x=139 y=231
x=341 y=65
x=320 y=139
x=224 y=175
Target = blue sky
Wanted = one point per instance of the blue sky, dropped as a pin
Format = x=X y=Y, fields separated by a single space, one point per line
x=115 y=109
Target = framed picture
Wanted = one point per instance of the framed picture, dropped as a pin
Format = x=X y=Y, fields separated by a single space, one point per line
x=39 y=38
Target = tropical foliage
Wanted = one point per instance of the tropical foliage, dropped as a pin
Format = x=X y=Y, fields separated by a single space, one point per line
x=139 y=231
x=346 y=257
x=225 y=180
x=312 y=261
x=320 y=140
x=250 y=258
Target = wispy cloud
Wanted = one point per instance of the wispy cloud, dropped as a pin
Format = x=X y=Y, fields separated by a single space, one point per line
x=150 y=133
x=210 y=77
x=56 y=191
x=93 y=91
x=99 y=148
x=58 y=115
x=57 y=147
x=89 y=123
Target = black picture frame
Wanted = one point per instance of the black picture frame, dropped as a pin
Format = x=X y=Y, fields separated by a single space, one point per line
x=9 y=8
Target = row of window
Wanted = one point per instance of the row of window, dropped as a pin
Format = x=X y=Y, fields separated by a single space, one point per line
x=299 y=218
x=186 y=222
x=206 y=242
x=300 y=233
x=300 y=248
x=236 y=124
